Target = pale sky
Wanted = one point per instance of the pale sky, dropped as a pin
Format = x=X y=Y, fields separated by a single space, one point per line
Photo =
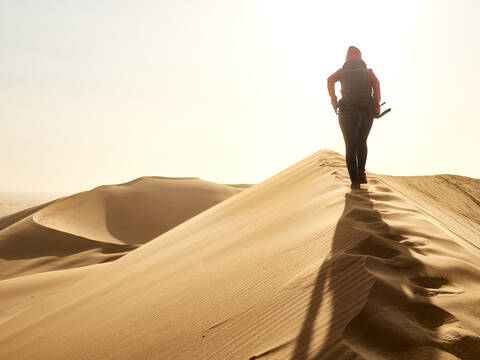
x=101 y=92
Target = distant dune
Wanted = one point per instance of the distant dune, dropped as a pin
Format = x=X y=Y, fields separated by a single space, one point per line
x=296 y=267
x=102 y=224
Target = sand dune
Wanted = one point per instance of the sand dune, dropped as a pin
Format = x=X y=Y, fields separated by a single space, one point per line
x=297 y=267
x=102 y=224
x=20 y=293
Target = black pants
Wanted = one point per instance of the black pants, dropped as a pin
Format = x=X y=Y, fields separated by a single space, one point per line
x=355 y=125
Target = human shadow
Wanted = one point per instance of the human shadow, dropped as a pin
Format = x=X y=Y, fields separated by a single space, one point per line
x=331 y=272
x=343 y=284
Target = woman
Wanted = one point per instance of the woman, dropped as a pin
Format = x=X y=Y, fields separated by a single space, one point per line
x=355 y=110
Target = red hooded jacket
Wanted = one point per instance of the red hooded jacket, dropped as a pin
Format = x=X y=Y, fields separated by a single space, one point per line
x=353 y=53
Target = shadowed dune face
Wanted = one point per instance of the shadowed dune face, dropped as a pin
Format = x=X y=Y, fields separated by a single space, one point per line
x=403 y=316
x=135 y=212
x=29 y=247
x=132 y=216
x=422 y=275
x=102 y=224
x=297 y=267
x=329 y=292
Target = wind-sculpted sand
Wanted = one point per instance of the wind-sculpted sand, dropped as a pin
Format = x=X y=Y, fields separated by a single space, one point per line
x=102 y=224
x=296 y=267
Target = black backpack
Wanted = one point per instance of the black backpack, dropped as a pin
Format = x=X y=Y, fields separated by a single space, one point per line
x=356 y=86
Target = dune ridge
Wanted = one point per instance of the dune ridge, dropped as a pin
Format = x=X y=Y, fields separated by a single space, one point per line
x=296 y=267
x=102 y=224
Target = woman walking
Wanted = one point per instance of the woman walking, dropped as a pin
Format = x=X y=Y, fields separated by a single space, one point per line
x=360 y=101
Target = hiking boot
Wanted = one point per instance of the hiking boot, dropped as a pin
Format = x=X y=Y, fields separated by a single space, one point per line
x=355 y=185
x=363 y=179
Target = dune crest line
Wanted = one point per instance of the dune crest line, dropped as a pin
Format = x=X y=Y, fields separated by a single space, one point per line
x=297 y=267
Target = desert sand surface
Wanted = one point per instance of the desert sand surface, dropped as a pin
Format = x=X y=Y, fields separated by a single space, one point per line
x=297 y=267
x=102 y=224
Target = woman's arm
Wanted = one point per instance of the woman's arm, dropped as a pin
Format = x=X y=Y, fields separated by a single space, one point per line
x=332 y=79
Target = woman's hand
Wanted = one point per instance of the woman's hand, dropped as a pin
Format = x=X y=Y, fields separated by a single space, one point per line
x=334 y=104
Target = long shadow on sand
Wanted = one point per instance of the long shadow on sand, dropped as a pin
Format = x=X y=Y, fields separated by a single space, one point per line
x=331 y=274
x=361 y=237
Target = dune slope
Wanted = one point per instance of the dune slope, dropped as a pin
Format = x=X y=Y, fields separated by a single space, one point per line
x=297 y=267
x=102 y=224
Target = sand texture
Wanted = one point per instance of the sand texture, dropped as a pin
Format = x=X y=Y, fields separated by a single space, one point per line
x=297 y=267
x=102 y=224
